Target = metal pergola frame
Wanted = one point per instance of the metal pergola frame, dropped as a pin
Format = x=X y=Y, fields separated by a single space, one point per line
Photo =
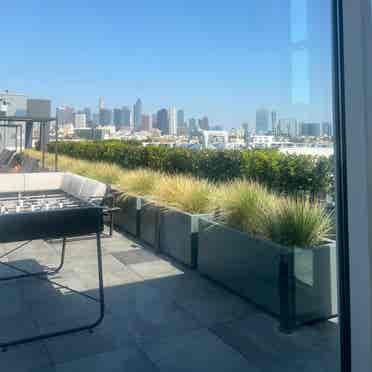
x=17 y=127
x=43 y=122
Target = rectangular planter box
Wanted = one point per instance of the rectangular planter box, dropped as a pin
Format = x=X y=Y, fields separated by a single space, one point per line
x=149 y=221
x=296 y=285
x=179 y=235
x=127 y=218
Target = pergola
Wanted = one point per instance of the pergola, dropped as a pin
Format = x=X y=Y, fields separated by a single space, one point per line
x=15 y=122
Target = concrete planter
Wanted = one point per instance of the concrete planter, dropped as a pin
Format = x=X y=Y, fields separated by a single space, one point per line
x=128 y=217
x=149 y=222
x=296 y=285
x=179 y=235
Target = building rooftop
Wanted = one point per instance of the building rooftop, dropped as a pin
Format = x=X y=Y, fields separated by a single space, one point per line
x=160 y=317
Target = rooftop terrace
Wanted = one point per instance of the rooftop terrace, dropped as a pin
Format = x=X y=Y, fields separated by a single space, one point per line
x=160 y=317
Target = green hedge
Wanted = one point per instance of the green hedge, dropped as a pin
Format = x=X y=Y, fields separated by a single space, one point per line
x=280 y=172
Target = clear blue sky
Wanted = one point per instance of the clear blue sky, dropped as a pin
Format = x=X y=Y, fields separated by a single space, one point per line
x=223 y=59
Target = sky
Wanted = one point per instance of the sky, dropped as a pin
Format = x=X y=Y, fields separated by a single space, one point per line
x=223 y=59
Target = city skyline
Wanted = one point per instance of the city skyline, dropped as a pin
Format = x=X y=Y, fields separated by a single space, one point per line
x=175 y=54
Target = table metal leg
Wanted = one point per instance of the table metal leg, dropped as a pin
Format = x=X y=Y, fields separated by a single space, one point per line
x=44 y=272
x=90 y=326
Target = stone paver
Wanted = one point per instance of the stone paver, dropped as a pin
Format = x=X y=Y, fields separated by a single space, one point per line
x=160 y=317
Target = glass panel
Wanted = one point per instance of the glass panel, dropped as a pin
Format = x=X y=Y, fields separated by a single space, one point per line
x=212 y=122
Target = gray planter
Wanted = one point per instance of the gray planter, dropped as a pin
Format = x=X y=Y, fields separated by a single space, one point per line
x=127 y=218
x=296 y=285
x=179 y=235
x=149 y=220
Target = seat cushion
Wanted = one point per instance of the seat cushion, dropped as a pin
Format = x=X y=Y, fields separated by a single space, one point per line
x=43 y=181
x=12 y=182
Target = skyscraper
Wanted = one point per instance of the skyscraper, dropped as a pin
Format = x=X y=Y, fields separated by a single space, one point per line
x=137 y=114
x=118 y=118
x=146 y=122
x=204 y=123
x=193 y=126
x=80 y=120
x=88 y=114
x=263 y=120
x=180 y=118
x=105 y=117
x=101 y=104
x=310 y=129
x=126 y=116
x=172 y=118
x=65 y=115
x=162 y=121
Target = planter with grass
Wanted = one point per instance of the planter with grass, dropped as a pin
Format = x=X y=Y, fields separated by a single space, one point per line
x=185 y=199
x=179 y=235
x=127 y=219
x=149 y=223
x=288 y=268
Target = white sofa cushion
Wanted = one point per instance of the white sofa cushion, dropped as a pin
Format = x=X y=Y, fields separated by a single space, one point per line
x=12 y=182
x=43 y=181
x=92 y=189
x=72 y=184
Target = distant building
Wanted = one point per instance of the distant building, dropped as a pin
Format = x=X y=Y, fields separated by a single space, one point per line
x=154 y=121
x=162 y=121
x=88 y=115
x=172 y=118
x=287 y=127
x=105 y=117
x=327 y=129
x=180 y=118
x=310 y=129
x=127 y=116
x=274 y=120
x=193 y=126
x=137 y=115
x=90 y=133
x=262 y=141
x=146 y=122
x=65 y=115
x=95 y=119
x=118 y=118
x=101 y=104
x=263 y=121
x=204 y=123
x=80 y=120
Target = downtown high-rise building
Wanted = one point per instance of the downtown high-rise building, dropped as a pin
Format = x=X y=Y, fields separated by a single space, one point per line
x=80 y=120
x=101 y=103
x=105 y=117
x=127 y=117
x=310 y=129
x=180 y=118
x=88 y=114
x=204 y=123
x=193 y=126
x=263 y=121
x=162 y=121
x=137 y=115
x=172 y=118
x=65 y=116
x=118 y=118
x=146 y=122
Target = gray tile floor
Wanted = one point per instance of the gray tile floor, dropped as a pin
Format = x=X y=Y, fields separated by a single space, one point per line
x=160 y=317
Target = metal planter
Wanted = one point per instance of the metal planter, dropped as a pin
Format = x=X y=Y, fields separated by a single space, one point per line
x=296 y=285
x=149 y=221
x=127 y=219
x=179 y=235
